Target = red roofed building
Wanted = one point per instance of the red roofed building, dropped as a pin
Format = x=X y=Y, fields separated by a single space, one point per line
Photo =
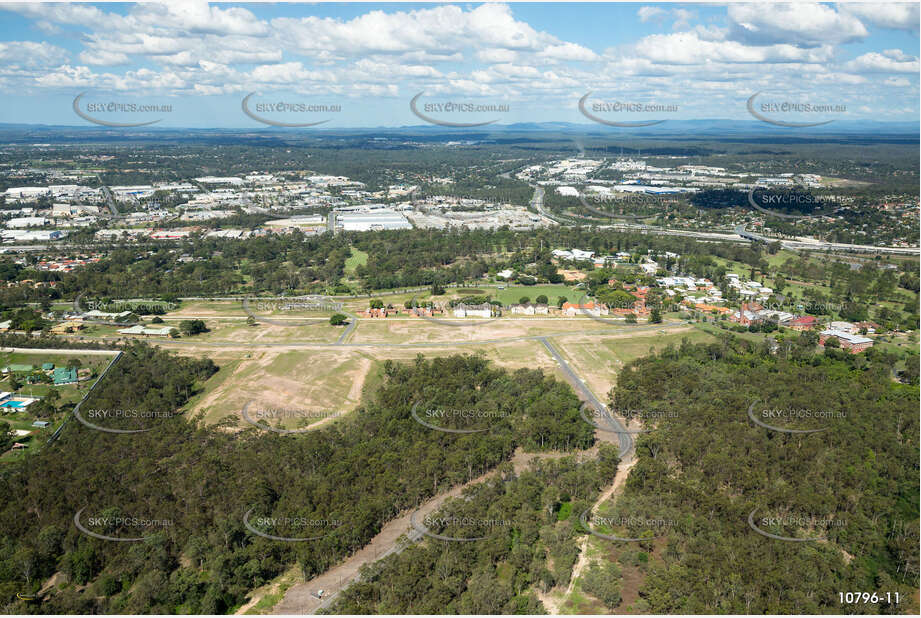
x=806 y=322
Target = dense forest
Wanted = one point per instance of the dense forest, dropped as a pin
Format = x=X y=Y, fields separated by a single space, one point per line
x=532 y=544
x=700 y=473
x=708 y=466
x=192 y=485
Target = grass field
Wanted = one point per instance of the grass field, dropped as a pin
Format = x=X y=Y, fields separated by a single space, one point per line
x=358 y=258
x=598 y=360
x=511 y=295
x=417 y=330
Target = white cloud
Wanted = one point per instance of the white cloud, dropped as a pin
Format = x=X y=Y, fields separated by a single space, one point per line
x=103 y=57
x=646 y=13
x=898 y=16
x=890 y=61
x=690 y=48
x=568 y=51
x=802 y=24
x=492 y=56
x=28 y=54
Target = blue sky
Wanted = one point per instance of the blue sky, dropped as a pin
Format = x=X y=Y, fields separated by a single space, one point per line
x=359 y=65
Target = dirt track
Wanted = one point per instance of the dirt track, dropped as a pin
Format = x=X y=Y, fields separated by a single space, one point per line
x=299 y=598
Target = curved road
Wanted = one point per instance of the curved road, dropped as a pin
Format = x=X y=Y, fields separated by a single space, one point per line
x=624 y=438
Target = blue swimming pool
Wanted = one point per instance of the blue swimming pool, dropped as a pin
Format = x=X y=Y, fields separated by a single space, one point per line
x=12 y=403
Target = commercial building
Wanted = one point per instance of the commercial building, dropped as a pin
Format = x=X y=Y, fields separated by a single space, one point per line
x=850 y=342
x=377 y=220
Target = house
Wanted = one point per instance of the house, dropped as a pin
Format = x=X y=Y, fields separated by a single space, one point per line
x=577 y=255
x=480 y=311
x=522 y=309
x=805 y=322
x=18 y=368
x=591 y=308
x=372 y=312
x=541 y=309
x=505 y=274
x=102 y=315
x=849 y=341
x=40 y=424
x=140 y=329
x=424 y=311
x=5 y=325
x=64 y=375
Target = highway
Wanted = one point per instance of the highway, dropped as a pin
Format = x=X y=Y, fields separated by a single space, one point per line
x=110 y=200
x=739 y=234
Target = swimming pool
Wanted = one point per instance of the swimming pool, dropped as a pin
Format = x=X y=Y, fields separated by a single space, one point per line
x=12 y=403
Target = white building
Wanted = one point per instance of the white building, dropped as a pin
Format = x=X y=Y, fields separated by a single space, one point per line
x=21 y=222
x=377 y=220
x=477 y=311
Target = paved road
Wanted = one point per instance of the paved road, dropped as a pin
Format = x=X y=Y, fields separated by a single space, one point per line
x=739 y=234
x=353 y=322
x=624 y=438
x=110 y=200
x=537 y=202
x=815 y=245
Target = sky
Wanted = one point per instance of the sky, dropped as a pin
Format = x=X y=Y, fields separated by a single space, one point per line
x=192 y=64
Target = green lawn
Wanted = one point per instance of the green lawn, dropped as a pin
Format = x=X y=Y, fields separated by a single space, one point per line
x=512 y=294
x=358 y=258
